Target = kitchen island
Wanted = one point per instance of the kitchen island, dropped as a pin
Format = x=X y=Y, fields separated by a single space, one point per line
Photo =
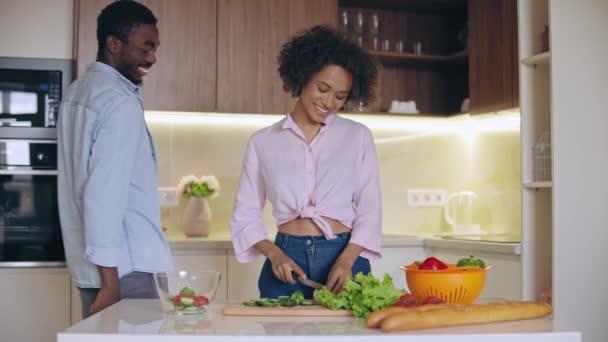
x=139 y=320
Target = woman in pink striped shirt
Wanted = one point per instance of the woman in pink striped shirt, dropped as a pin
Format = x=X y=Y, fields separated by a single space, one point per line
x=318 y=170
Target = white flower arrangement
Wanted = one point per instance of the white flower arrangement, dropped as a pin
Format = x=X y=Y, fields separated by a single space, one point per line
x=203 y=186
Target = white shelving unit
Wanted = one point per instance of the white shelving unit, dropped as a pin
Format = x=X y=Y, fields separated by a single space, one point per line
x=563 y=101
x=536 y=118
x=541 y=58
x=538 y=185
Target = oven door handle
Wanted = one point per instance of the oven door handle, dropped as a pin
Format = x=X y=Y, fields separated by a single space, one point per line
x=28 y=172
x=18 y=264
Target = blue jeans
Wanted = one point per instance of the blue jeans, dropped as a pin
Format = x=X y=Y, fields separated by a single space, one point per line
x=315 y=255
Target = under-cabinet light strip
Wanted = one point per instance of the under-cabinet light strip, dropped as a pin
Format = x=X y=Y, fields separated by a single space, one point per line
x=498 y=121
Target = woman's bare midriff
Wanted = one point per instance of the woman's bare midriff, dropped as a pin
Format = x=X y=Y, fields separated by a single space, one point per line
x=307 y=227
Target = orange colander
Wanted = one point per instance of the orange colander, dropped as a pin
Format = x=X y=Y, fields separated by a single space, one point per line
x=454 y=285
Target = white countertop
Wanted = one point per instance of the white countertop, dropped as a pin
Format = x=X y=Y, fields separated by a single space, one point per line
x=135 y=320
x=180 y=242
x=474 y=246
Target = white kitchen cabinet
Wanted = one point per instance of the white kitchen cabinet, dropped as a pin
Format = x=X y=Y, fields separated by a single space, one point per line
x=36 y=303
x=75 y=305
x=206 y=260
x=392 y=260
x=35 y=19
x=503 y=280
x=243 y=278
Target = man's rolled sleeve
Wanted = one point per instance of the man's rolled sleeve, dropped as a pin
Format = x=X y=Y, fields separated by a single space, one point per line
x=116 y=138
x=103 y=256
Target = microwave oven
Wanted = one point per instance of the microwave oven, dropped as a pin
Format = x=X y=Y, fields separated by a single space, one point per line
x=30 y=95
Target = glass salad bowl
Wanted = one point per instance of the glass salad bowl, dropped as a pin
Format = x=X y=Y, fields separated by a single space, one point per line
x=186 y=292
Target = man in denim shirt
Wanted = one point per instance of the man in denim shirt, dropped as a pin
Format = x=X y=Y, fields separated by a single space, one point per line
x=108 y=202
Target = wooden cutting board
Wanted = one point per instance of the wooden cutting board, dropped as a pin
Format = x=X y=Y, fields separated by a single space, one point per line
x=313 y=310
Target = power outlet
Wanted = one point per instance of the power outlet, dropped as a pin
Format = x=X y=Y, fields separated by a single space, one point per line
x=168 y=197
x=426 y=197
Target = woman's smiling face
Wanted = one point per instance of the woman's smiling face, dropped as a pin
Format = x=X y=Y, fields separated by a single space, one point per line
x=325 y=93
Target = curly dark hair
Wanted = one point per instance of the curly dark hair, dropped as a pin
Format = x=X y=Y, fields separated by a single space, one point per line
x=118 y=19
x=309 y=52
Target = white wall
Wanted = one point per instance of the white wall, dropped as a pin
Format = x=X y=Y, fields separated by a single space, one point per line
x=579 y=44
x=479 y=153
x=36 y=28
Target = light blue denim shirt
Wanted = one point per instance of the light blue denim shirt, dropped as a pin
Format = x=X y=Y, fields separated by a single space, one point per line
x=108 y=201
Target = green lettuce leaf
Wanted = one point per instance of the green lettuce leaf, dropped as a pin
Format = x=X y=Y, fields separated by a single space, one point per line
x=364 y=295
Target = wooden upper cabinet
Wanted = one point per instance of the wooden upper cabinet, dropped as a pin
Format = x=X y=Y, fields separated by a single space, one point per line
x=250 y=35
x=493 y=55
x=85 y=44
x=184 y=76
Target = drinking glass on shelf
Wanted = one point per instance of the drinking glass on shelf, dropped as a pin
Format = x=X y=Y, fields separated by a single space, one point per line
x=344 y=23
x=399 y=46
x=374 y=23
x=417 y=48
x=359 y=28
x=386 y=45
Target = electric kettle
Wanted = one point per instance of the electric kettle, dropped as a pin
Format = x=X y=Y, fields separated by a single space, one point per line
x=458 y=213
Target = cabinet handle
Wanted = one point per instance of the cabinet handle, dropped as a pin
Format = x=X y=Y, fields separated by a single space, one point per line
x=29 y=172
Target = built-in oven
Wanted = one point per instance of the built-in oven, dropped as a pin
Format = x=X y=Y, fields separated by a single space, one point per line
x=30 y=95
x=30 y=233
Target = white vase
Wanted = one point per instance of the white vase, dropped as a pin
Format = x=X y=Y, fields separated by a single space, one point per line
x=197 y=217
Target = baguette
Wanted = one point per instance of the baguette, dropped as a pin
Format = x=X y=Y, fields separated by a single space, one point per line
x=374 y=319
x=450 y=315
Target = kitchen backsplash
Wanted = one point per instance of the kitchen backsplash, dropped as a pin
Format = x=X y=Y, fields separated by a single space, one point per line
x=478 y=153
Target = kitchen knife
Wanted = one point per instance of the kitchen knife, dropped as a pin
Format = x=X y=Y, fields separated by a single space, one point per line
x=307 y=282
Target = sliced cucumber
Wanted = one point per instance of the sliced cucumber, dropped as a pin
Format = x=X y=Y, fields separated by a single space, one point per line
x=251 y=303
x=187 y=301
x=265 y=301
x=270 y=304
x=192 y=308
x=289 y=303
x=286 y=301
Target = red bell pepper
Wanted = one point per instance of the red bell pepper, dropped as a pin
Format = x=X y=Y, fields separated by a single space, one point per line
x=432 y=263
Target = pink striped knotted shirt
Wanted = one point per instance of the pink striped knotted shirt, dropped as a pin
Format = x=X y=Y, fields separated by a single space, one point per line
x=335 y=176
